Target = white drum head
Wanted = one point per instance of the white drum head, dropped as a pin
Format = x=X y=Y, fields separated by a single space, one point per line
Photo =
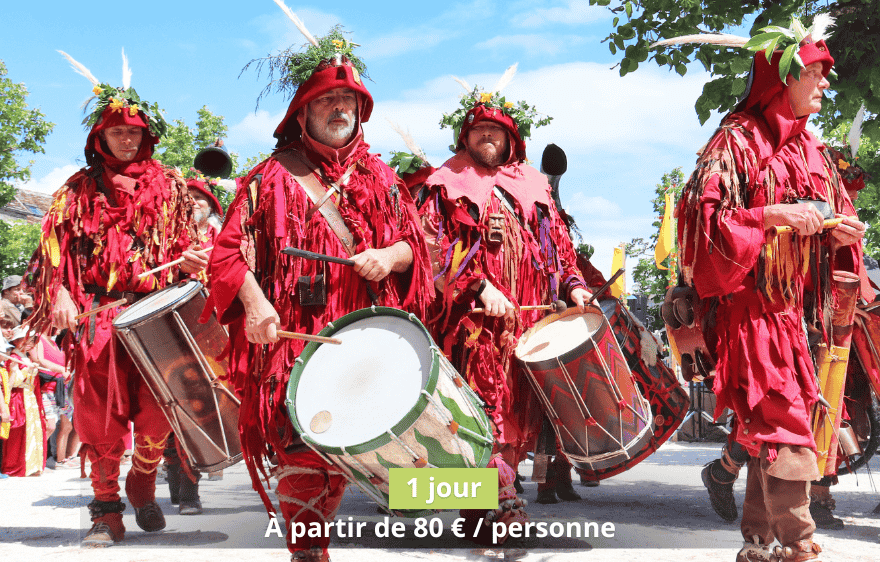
x=559 y=336
x=354 y=392
x=156 y=301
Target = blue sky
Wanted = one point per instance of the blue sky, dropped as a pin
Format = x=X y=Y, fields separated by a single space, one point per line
x=620 y=134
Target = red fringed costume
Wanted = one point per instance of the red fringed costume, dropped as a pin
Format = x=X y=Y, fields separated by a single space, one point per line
x=108 y=223
x=269 y=214
x=762 y=155
x=533 y=263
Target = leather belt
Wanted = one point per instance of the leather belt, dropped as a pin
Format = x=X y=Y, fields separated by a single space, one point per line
x=100 y=291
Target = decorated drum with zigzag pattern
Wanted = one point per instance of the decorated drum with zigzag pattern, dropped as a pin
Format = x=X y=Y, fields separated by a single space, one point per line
x=386 y=397
x=586 y=388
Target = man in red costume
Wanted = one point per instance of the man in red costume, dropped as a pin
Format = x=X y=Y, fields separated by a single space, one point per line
x=748 y=180
x=208 y=213
x=499 y=244
x=122 y=215
x=254 y=286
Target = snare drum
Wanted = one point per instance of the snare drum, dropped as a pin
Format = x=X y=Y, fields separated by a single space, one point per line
x=177 y=357
x=586 y=388
x=385 y=398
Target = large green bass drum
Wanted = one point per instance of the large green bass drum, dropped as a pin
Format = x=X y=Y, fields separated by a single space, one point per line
x=386 y=397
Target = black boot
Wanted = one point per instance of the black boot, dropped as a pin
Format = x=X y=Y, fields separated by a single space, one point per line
x=189 y=494
x=172 y=475
x=564 y=489
x=547 y=489
x=720 y=492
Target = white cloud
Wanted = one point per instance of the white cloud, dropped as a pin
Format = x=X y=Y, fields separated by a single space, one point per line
x=253 y=134
x=575 y=12
x=401 y=44
x=533 y=44
x=592 y=206
x=51 y=181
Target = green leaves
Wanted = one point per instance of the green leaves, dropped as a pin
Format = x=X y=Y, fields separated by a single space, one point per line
x=785 y=61
x=22 y=130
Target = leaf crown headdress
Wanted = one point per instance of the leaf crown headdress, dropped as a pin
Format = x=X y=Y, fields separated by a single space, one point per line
x=123 y=99
x=294 y=66
x=524 y=116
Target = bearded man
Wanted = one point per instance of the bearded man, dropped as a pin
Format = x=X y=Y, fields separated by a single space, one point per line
x=121 y=216
x=324 y=192
x=498 y=243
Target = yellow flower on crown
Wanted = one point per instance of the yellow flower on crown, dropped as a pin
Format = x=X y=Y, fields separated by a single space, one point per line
x=485 y=97
x=116 y=105
x=508 y=105
x=339 y=44
x=97 y=90
x=133 y=110
x=842 y=164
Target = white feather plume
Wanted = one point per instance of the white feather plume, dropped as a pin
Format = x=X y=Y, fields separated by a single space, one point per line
x=721 y=39
x=821 y=24
x=297 y=22
x=465 y=85
x=855 y=132
x=410 y=143
x=126 y=72
x=81 y=69
x=506 y=78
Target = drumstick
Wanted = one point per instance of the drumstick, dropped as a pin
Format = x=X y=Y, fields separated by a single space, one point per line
x=169 y=264
x=305 y=254
x=607 y=284
x=101 y=308
x=297 y=253
x=11 y=358
x=307 y=337
x=829 y=223
x=558 y=306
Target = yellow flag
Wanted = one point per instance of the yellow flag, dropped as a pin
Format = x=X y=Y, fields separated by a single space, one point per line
x=664 y=241
x=617 y=262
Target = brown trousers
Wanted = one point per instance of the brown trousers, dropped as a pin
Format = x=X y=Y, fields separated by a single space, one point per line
x=777 y=503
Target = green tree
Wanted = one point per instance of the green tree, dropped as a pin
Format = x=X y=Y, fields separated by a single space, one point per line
x=853 y=43
x=22 y=130
x=18 y=240
x=180 y=146
x=647 y=277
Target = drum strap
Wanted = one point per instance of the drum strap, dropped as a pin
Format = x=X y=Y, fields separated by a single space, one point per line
x=304 y=172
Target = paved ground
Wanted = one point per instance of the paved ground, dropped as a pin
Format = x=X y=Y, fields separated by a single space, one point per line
x=659 y=511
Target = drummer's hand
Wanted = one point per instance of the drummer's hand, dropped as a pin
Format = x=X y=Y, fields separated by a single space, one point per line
x=804 y=218
x=375 y=265
x=261 y=322
x=495 y=303
x=579 y=296
x=64 y=311
x=195 y=259
x=850 y=231
x=261 y=318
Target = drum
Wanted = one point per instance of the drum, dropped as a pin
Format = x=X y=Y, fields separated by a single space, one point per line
x=657 y=382
x=586 y=388
x=177 y=357
x=385 y=398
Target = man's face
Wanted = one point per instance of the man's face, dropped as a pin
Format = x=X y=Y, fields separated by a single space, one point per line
x=14 y=294
x=487 y=143
x=202 y=209
x=331 y=118
x=123 y=141
x=806 y=94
